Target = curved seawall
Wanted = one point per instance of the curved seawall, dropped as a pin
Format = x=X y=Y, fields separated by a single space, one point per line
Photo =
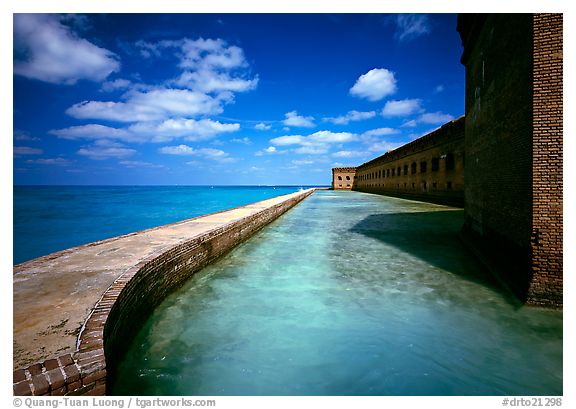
x=76 y=311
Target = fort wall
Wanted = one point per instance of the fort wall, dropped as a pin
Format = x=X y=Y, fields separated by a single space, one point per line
x=430 y=168
x=343 y=178
x=76 y=311
x=513 y=143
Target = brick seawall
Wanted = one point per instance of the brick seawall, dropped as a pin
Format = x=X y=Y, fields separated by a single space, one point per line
x=76 y=311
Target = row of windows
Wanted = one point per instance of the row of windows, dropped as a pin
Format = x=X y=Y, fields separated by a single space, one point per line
x=423 y=185
x=412 y=169
x=347 y=177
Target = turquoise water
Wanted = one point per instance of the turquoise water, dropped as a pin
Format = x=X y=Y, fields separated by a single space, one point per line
x=52 y=218
x=346 y=294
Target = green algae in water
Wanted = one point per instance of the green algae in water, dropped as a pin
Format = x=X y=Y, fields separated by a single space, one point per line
x=347 y=294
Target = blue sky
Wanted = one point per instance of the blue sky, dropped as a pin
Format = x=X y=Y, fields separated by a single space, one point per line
x=229 y=99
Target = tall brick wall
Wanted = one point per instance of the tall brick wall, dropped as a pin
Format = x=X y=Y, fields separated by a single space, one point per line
x=430 y=168
x=546 y=284
x=513 y=149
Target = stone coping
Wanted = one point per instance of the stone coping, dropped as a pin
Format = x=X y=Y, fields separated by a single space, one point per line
x=62 y=301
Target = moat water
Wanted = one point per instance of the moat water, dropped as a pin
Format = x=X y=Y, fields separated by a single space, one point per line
x=347 y=294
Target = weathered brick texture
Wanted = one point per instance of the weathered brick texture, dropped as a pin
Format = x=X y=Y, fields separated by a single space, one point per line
x=513 y=141
x=546 y=284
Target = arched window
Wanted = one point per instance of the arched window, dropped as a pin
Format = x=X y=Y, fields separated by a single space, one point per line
x=339 y=177
x=413 y=168
x=347 y=177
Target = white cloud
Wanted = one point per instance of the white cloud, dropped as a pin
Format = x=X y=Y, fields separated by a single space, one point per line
x=435 y=118
x=262 y=126
x=409 y=124
x=47 y=50
x=402 y=107
x=350 y=116
x=140 y=164
x=208 y=153
x=26 y=150
x=51 y=161
x=315 y=144
x=348 y=154
x=375 y=84
x=384 y=146
x=210 y=81
x=244 y=141
x=380 y=132
x=287 y=140
x=208 y=65
x=299 y=162
x=165 y=131
x=177 y=150
x=411 y=26
x=117 y=84
x=293 y=119
x=319 y=149
x=439 y=88
x=105 y=152
x=20 y=135
x=157 y=104
x=271 y=150
x=93 y=131
x=187 y=129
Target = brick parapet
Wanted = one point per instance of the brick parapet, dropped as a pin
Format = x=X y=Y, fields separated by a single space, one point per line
x=126 y=304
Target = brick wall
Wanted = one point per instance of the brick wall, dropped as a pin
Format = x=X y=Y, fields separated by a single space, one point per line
x=343 y=178
x=546 y=285
x=430 y=168
x=514 y=149
x=126 y=305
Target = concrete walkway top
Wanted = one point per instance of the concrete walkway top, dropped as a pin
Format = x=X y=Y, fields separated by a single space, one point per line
x=55 y=294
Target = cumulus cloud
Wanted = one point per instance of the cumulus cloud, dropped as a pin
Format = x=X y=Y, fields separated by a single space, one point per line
x=402 y=107
x=149 y=132
x=244 y=141
x=93 y=131
x=293 y=119
x=210 y=81
x=207 y=153
x=271 y=150
x=26 y=150
x=375 y=84
x=47 y=50
x=380 y=132
x=439 y=88
x=51 y=161
x=348 y=154
x=411 y=26
x=154 y=105
x=117 y=84
x=262 y=126
x=140 y=164
x=350 y=116
x=435 y=118
x=208 y=65
x=300 y=162
x=20 y=135
x=409 y=124
x=104 y=149
x=188 y=129
x=315 y=144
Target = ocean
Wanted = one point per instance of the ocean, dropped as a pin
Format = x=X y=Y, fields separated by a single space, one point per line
x=53 y=218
